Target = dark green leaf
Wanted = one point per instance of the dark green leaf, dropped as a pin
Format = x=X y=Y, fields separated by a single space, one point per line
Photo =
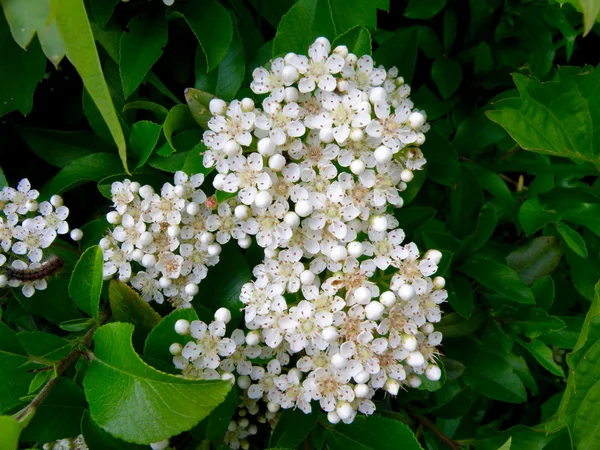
x=141 y=46
x=447 y=75
x=98 y=439
x=486 y=225
x=372 y=432
x=292 y=428
x=534 y=217
x=573 y=239
x=179 y=118
x=348 y=14
x=543 y=291
x=212 y=25
x=12 y=371
x=399 y=50
x=86 y=281
x=302 y=24
x=102 y=10
x=500 y=278
x=137 y=403
x=424 y=9
x=45 y=346
x=460 y=295
x=542 y=353
x=357 y=39
x=127 y=306
x=143 y=138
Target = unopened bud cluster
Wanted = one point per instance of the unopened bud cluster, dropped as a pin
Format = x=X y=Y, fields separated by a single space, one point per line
x=27 y=230
x=341 y=307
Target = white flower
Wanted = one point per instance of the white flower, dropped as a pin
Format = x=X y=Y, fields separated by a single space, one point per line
x=392 y=127
x=169 y=265
x=248 y=178
x=280 y=121
x=32 y=237
x=362 y=74
x=318 y=70
x=16 y=199
x=148 y=286
x=234 y=126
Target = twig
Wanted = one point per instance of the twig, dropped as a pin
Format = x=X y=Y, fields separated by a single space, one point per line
x=63 y=365
x=427 y=423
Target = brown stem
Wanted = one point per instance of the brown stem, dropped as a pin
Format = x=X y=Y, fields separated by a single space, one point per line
x=445 y=439
x=63 y=365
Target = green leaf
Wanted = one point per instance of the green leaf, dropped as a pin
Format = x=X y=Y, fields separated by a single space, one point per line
x=590 y=10
x=498 y=277
x=214 y=427
x=98 y=439
x=466 y=199
x=348 y=14
x=543 y=291
x=557 y=117
x=493 y=184
x=536 y=259
x=25 y=19
x=86 y=281
x=212 y=25
x=159 y=111
x=453 y=325
x=80 y=46
x=127 y=306
x=39 y=380
x=292 y=428
x=302 y=24
x=460 y=295
x=93 y=167
x=16 y=92
x=413 y=217
x=441 y=157
x=44 y=346
x=76 y=325
x=136 y=403
x=231 y=71
x=424 y=9
x=357 y=39
x=179 y=118
x=573 y=239
x=399 y=50
x=143 y=138
x=102 y=10
x=140 y=47
x=10 y=429
x=533 y=216
x=586 y=432
x=59 y=148
x=198 y=102
x=59 y=415
x=164 y=333
x=373 y=432
x=542 y=353
x=566 y=337
x=486 y=225
x=491 y=375
x=12 y=371
x=475 y=133
x=447 y=75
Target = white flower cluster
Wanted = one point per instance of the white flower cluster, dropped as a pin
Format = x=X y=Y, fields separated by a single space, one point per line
x=166 y=235
x=27 y=230
x=340 y=307
x=76 y=443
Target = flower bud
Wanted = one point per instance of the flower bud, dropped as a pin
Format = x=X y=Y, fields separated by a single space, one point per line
x=357 y=167
x=182 y=327
x=433 y=372
x=76 y=234
x=217 y=106
x=263 y=199
x=387 y=299
x=223 y=315
x=175 y=348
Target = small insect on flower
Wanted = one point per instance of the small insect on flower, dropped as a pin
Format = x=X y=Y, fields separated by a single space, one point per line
x=36 y=271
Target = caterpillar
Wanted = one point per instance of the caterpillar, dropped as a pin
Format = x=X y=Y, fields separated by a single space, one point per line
x=45 y=270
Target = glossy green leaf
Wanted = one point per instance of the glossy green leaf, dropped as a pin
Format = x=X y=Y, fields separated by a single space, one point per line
x=543 y=354
x=13 y=372
x=447 y=75
x=557 y=117
x=59 y=148
x=533 y=216
x=573 y=239
x=357 y=39
x=373 y=432
x=136 y=403
x=80 y=46
x=179 y=118
x=500 y=278
x=460 y=295
x=292 y=428
x=127 y=306
x=140 y=47
x=93 y=167
x=424 y=9
x=214 y=427
x=302 y=24
x=159 y=111
x=586 y=433
x=486 y=225
x=164 y=332
x=536 y=259
x=590 y=10
x=86 y=281
x=543 y=291
x=101 y=10
x=198 y=102
x=16 y=92
x=490 y=374
x=143 y=138
x=212 y=25
x=400 y=50
x=10 y=429
x=76 y=325
x=348 y=14
x=44 y=346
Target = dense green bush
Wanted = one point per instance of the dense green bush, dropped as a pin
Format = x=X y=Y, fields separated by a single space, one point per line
x=98 y=91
